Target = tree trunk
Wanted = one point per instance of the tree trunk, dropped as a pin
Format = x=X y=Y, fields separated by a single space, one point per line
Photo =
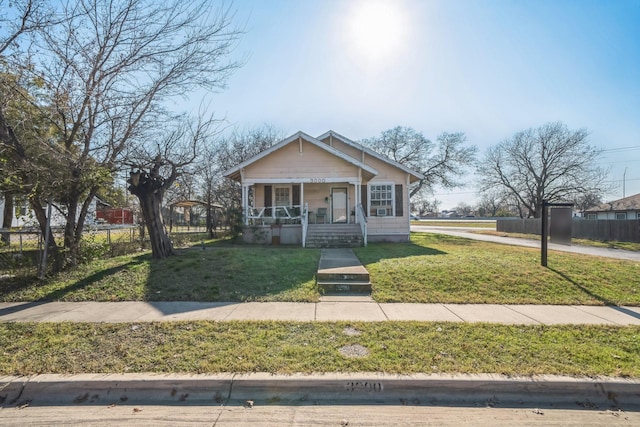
x=71 y=244
x=150 y=202
x=54 y=253
x=7 y=218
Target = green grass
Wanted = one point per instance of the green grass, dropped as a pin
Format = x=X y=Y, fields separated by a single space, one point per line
x=628 y=246
x=455 y=223
x=446 y=269
x=221 y=272
x=431 y=268
x=286 y=347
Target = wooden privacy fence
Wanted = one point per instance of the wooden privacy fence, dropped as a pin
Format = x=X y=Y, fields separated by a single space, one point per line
x=619 y=230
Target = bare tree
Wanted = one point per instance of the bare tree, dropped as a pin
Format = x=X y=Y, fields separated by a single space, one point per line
x=21 y=17
x=109 y=70
x=440 y=163
x=547 y=163
x=491 y=202
x=154 y=169
x=464 y=209
x=584 y=201
x=425 y=206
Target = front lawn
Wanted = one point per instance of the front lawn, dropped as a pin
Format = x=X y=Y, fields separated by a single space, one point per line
x=446 y=269
x=430 y=268
x=220 y=272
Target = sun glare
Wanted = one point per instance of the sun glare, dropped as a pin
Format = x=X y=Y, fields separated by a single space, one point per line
x=378 y=28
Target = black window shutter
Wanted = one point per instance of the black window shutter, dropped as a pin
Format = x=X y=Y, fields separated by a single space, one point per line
x=267 y=200
x=295 y=196
x=399 y=201
x=363 y=199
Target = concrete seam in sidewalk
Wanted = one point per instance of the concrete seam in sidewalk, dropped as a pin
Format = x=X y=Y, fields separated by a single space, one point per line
x=577 y=307
x=522 y=314
x=454 y=313
x=382 y=310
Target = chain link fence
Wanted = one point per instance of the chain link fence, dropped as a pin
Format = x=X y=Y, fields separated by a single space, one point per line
x=22 y=251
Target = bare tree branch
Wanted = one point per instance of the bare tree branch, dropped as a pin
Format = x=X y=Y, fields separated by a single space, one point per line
x=550 y=162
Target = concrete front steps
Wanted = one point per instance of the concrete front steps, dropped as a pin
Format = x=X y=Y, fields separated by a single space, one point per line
x=340 y=270
x=334 y=236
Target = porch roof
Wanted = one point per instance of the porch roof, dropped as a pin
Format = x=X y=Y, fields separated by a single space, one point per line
x=235 y=172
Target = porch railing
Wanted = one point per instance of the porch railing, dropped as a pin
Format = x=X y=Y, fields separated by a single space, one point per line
x=361 y=219
x=270 y=214
x=305 y=224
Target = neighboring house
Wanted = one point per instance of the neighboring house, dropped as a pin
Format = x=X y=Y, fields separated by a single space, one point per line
x=23 y=215
x=627 y=208
x=303 y=181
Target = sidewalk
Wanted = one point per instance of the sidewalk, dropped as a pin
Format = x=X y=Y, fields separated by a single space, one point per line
x=330 y=309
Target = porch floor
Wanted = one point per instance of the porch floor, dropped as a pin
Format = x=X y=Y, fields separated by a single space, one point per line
x=339 y=270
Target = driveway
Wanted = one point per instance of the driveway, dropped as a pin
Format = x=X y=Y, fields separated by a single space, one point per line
x=467 y=232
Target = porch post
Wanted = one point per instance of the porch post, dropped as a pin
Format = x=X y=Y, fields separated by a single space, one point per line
x=245 y=203
x=357 y=201
x=301 y=196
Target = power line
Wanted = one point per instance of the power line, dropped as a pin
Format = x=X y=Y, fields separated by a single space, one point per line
x=615 y=150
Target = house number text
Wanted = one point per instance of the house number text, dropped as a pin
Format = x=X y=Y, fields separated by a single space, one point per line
x=317 y=180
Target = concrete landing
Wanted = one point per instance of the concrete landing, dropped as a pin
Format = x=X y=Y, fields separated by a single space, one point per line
x=339 y=270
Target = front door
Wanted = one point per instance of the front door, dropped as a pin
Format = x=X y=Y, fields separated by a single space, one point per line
x=339 y=208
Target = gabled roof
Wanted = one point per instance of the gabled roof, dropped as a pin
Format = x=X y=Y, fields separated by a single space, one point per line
x=631 y=203
x=234 y=172
x=415 y=175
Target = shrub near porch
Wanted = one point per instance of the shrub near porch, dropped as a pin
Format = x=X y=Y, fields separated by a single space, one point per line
x=444 y=269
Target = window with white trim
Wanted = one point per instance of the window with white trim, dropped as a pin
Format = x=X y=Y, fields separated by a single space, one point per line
x=621 y=215
x=282 y=197
x=592 y=216
x=381 y=200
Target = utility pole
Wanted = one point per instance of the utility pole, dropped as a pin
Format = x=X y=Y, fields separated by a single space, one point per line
x=624 y=183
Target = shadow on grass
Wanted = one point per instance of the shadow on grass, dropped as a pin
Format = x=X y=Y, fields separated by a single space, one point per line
x=600 y=298
x=59 y=294
x=224 y=271
x=375 y=252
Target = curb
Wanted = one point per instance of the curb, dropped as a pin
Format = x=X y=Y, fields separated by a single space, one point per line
x=299 y=389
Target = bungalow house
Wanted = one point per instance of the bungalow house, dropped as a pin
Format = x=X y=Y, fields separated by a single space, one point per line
x=324 y=191
x=627 y=208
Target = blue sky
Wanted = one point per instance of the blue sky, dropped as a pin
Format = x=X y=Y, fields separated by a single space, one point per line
x=488 y=68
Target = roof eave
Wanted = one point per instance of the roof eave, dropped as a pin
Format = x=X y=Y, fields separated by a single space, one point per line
x=417 y=175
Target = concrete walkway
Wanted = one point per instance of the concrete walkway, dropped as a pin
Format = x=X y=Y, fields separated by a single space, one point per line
x=330 y=309
x=468 y=233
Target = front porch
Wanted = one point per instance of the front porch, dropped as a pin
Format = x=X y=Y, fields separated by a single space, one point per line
x=277 y=212
x=327 y=201
x=311 y=236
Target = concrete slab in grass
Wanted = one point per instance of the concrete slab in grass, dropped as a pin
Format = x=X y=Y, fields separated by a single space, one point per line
x=86 y=312
x=349 y=311
x=419 y=312
x=492 y=313
x=559 y=315
x=36 y=311
x=617 y=315
x=285 y=311
x=190 y=310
